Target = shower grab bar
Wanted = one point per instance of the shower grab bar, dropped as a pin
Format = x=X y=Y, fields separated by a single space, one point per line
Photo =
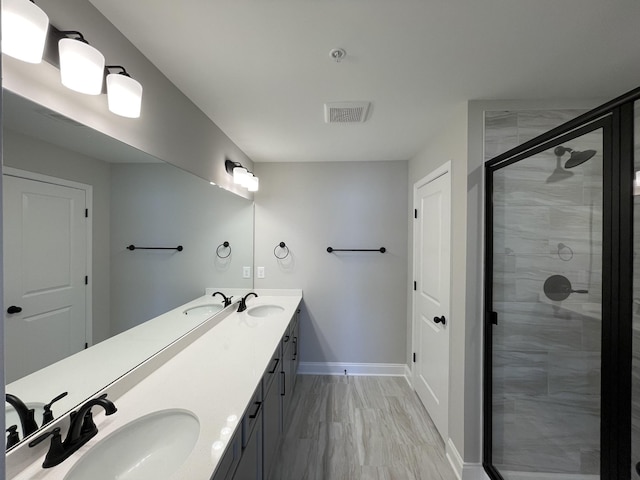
x=381 y=249
x=133 y=247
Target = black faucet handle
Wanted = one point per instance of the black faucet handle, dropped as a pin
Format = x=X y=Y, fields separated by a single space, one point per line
x=88 y=425
x=41 y=438
x=14 y=437
x=47 y=414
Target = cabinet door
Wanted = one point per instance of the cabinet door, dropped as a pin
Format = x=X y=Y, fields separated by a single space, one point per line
x=285 y=385
x=250 y=466
x=295 y=354
x=271 y=422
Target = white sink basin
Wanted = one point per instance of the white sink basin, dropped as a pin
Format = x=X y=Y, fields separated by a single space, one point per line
x=151 y=447
x=264 y=310
x=204 y=310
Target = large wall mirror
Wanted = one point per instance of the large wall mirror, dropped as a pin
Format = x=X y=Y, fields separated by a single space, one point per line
x=51 y=162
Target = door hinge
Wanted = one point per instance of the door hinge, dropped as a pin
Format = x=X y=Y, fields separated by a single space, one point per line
x=414 y=357
x=86 y=213
x=415 y=213
x=415 y=285
x=86 y=345
x=86 y=280
x=494 y=318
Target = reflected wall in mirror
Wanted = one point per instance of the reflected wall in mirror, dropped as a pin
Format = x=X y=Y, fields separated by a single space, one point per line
x=132 y=198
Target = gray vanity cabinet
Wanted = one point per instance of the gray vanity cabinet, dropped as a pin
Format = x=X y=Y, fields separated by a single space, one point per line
x=285 y=377
x=250 y=466
x=271 y=415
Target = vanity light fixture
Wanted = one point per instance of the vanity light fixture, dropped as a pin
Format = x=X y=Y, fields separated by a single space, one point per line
x=241 y=176
x=81 y=65
x=124 y=94
x=24 y=30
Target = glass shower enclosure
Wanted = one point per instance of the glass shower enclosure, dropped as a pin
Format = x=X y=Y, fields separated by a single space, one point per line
x=558 y=303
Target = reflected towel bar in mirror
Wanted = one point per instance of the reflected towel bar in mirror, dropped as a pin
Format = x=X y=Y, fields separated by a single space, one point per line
x=381 y=249
x=133 y=247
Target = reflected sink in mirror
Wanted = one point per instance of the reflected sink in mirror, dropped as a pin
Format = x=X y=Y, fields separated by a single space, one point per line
x=264 y=310
x=204 y=310
x=153 y=446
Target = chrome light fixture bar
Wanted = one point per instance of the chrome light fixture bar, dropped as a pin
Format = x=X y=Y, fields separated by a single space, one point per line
x=24 y=30
x=241 y=176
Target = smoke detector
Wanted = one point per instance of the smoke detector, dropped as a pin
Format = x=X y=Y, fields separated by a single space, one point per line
x=346 y=112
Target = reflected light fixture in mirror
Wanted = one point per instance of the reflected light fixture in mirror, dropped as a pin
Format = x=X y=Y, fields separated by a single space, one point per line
x=81 y=65
x=124 y=94
x=24 y=30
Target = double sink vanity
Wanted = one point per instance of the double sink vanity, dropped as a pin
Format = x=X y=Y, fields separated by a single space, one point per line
x=213 y=404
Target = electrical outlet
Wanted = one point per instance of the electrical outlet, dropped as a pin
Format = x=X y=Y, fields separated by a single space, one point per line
x=260 y=272
x=246 y=272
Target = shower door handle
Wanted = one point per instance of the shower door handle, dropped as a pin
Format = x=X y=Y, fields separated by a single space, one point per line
x=441 y=320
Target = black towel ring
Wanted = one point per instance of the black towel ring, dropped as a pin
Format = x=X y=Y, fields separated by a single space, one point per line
x=284 y=246
x=223 y=245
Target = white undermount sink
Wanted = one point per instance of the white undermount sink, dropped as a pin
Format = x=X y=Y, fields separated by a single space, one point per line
x=151 y=447
x=264 y=310
x=204 y=310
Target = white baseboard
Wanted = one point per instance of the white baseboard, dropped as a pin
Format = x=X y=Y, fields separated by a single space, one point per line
x=464 y=471
x=338 y=368
x=408 y=375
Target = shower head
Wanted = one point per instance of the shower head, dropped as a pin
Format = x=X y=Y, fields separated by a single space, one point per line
x=576 y=158
x=559 y=173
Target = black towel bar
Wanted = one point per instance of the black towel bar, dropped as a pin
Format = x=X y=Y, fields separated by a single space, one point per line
x=133 y=247
x=381 y=249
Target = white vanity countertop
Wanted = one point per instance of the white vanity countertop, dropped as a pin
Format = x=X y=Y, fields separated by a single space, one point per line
x=214 y=377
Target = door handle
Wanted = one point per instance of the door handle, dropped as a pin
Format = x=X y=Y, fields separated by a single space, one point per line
x=441 y=320
x=14 y=309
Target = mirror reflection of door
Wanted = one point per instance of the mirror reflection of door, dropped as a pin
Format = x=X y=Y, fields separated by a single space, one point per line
x=45 y=234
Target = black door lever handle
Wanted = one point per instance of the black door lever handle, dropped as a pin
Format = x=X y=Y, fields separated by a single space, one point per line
x=441 y=320
x=14 y=309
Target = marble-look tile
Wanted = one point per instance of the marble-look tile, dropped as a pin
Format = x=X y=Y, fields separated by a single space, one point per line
x=520 y=373
x=579 y=227
x=535 y=327
x=574 y=372
x=521 y=229
x=532 y=123
x=501 y=133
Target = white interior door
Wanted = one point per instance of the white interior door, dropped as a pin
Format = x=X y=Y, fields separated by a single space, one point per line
x=431 y=321
x=45 y=264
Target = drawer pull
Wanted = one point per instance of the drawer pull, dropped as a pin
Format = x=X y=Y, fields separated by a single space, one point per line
x=257 y=409
x=275 y=365
x=286 y=338
x=284 y=387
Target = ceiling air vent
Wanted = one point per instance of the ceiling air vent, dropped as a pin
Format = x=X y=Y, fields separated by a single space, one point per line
x=346 y=112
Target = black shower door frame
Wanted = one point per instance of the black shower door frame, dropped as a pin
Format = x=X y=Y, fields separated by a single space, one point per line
x=615 y=118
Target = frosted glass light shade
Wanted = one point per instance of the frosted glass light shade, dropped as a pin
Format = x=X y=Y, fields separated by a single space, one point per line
x=124 y=95
x=254 y=184
x=239 y=175
x=24 y=30
x=247 y=179
x=81 y=66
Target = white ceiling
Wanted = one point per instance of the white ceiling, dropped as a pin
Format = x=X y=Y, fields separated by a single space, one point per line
x=260 y=69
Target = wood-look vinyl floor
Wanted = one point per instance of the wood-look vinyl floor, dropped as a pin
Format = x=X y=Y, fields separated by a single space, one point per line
x=359 y=428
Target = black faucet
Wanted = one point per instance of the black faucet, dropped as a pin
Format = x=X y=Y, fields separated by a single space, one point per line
x=242 y=305
x=47 y=414
x=227 y=301
x=81 y=430
x=26 y=414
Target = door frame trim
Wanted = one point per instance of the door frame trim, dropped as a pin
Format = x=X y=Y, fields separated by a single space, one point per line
x=431 y=176
x=88 y=189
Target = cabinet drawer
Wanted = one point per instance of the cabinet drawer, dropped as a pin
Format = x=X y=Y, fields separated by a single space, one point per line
x=251 y=415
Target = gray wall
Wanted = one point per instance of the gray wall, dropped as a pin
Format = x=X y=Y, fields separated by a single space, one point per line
x=28 y=153
x=450 y=144
x=354 y=303
x=155 y=204
x=171 y=127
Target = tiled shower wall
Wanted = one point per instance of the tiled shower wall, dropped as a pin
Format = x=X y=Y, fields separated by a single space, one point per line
x=546 y=361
